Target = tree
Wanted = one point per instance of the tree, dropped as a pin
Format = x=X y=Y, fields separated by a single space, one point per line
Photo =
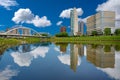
x=107 y=48
x=107 y=31
x=62 y=34
x=44 y=34
x=117 y=32
x=94 y=33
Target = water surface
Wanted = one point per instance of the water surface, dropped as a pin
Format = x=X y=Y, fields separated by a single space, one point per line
x=49 y=61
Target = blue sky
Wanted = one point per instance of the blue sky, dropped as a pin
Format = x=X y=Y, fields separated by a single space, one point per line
x=43 y=15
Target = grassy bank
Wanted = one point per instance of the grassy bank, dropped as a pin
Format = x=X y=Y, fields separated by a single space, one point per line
x=9 y=42
x=85 y=38
x=108 y=40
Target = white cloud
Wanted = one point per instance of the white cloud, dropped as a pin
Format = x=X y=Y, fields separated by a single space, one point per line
x=23 y=16
x=8 y=73
x=8 y=3
x=110 y=5
x=66 y=13
x=40 y=51
x=59 y=23
x=26 y=16
x=43 y=21
x=25 y=59
x=22 y=59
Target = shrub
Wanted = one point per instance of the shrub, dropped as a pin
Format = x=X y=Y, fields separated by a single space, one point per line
x=107 y=31
x=117 y=32
x=62 y=34
x=94 y=33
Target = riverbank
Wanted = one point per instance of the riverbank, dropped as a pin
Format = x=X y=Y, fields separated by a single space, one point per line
x=82 y=39
x=85 y=38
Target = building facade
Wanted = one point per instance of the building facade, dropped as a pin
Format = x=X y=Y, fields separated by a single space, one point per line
x=100 y=21
x=81 y=27
x=63 y=29
x=74 y=22
x=91 y=24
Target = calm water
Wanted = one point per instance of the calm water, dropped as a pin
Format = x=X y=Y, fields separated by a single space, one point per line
x=48 y=61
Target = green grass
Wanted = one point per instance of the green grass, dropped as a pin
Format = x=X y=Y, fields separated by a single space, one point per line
x=87 y=39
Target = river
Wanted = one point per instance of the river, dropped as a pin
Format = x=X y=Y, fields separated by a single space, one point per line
x=56 y=61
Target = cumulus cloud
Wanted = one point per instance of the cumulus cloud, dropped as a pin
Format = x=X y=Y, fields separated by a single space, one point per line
x=22 y=59
x=25 y=59
x=8 y=3
x=110 y=5
x=8 y=73
x=66 y=13
x=26 y=16
x=43 y=21
x=59 y=23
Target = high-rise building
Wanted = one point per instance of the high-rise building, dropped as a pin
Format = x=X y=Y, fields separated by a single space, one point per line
x=105 y=19
x=91 y=25
x=100 y=21
x=63 y=29
x=81 y=27
x=74 y=22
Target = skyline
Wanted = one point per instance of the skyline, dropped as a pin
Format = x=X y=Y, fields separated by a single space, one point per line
x=47 y=16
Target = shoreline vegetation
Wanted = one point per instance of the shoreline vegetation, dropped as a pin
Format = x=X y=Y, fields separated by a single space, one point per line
x=102 y=40
x=81 y=39
x=85 y=39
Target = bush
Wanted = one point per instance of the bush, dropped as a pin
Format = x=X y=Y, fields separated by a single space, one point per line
x=94 y=33
x=44 y=34
x=117 y=32
x=62 y=34
x=107 y=31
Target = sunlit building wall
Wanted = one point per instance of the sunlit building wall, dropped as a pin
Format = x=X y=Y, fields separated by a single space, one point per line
x=100 y=21
x=74 y=22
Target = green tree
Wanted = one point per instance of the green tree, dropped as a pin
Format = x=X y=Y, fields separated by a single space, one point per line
x=44 y=34
x=117 y=32
x=107 y=31
x=107 y=48
x=117 y=47
x=62 y=34
x=94 y=33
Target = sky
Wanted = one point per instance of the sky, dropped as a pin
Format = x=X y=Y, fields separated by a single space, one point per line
x=49 y=15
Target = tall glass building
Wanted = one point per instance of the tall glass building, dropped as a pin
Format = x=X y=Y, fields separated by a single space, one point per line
x=74 y=22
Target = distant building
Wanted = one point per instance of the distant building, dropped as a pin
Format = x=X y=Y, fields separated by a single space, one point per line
x=81 y=27
x=63 y=29
x=74 y=22
x=100 y=21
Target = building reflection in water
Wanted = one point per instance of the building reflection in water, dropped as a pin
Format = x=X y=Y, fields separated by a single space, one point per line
x=76 y=52
x=101 y=56
x=63 y=47
x=73 y=56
